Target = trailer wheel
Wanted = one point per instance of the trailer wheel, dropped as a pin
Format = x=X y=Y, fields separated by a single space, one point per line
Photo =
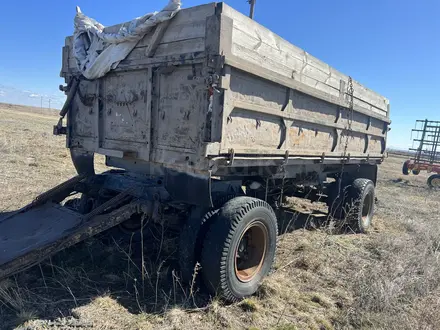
x=72 y=204
x=190 y=243
x=360 y=205
x=83 y=205
x=405 y=168
x=193 y=233
x=239 y=248
x=86 y=204
x=434 y=181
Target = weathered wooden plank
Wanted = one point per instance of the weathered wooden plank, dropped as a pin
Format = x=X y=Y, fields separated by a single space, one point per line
x=212 y=35
x=245 y=130
x=279 y=68
x=252 y=89
x=148 y=112
x=142 y=62
x=244 y=23
x=298 y=117
x=193 y=46
x=156 y=38
x=301 y=69
x=263 y=50
x=194 y=14
x=297 y=64
x=189 y=30
x=172 y=60
x=268 y=74
x=283 y=51
x=181 y=32
x=138 y=55
x=65 y=61
x=71 y=62
x=367 y=95
x=187 y=24
x=181 y=47
x=168 y=49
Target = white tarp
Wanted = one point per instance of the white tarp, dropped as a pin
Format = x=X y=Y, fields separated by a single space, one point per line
x=97 y=52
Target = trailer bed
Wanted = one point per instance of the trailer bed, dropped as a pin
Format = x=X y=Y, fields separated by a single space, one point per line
x=44 y=227
x=271 y=101
x=24 y=232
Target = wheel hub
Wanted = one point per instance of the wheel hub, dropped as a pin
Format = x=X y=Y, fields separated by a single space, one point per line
x=251 y=251
x=436 y=182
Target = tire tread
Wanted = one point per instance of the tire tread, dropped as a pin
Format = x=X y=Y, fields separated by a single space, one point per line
x=218 y=240
x=357 y=190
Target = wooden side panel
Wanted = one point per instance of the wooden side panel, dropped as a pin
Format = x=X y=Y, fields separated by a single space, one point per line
x=124 y=107
x=303 y=137
x=184 y=34
x=168 y=49
x=83 y=115
x=181 y=108
x=258 y=45
x=246 y=131
x=262 y=117
x=187 y=24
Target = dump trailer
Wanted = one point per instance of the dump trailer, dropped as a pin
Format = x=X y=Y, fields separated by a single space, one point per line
x=212 y=115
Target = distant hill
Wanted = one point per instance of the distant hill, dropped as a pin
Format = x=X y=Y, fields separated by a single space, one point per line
x=400 y=151
x=26 y=108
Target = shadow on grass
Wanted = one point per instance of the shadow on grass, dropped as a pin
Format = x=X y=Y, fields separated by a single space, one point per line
x=113 y=264
x=109 y=265
x=290 y=220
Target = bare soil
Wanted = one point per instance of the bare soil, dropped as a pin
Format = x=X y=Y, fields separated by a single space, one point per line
x=323 y=279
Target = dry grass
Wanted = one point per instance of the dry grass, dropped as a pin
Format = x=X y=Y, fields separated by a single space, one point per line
x=385 y=280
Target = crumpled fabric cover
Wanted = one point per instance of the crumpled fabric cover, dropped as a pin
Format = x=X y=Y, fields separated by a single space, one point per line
x=97 y=52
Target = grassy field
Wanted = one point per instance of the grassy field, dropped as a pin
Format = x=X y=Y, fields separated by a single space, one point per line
x=388 y=279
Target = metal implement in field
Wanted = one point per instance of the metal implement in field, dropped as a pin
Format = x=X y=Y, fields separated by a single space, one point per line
x=212 y=121
x=425 y=151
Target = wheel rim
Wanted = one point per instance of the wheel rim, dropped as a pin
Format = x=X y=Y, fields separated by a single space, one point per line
x=435 y=182
x=251 y=251
x=367 y=209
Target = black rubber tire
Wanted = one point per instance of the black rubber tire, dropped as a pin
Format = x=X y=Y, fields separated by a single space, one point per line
x=133 y=234
x=405 y=168
x=86 y=204
x=430 y=181
x=359 y=207
x=72 y=204
x=193 y=233
x=222 y=240
x=83 y=204
x=190 y=243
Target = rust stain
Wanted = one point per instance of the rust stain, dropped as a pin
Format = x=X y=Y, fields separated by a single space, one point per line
x=296 y=136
